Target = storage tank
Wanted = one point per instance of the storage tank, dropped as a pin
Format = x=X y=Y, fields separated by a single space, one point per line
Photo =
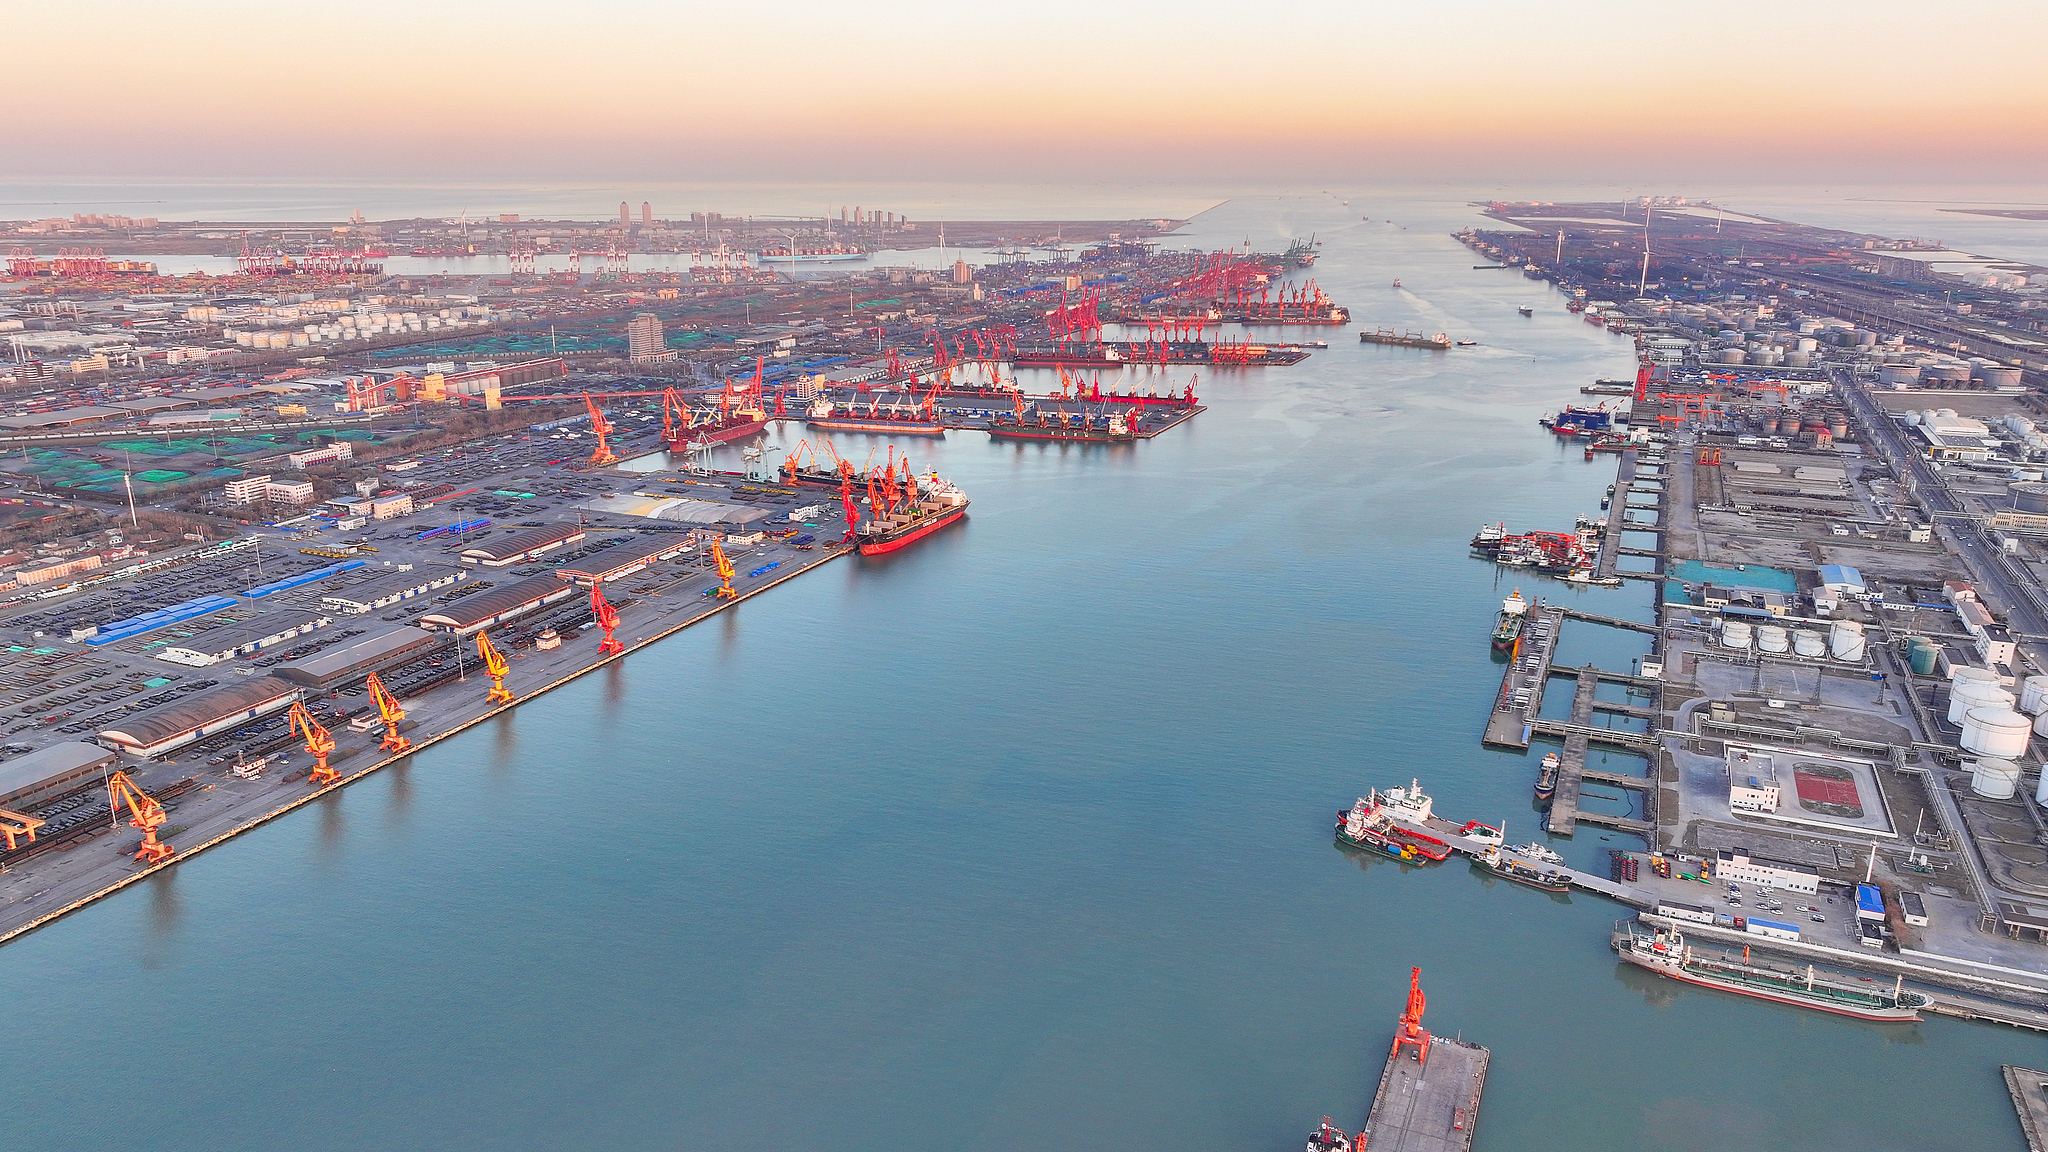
x=1845 y=639
x=1735 y=634
x=1808 y=644
x=1770 y=425
x=1995 y=778
x=2029 y=497
x=1771 y=638
x=2041 y=790
x=1996 y=731
x=2034 y=695
x=1898 y=374
x=2003 y=376
x=1734 y=356
x=1806 y=344
x=1838 y=427
x=1798 y=359
x=1923 y=656
x=1975 y=695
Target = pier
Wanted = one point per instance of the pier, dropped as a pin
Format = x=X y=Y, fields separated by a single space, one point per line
x=1428 y=1096
x=2029 y=1090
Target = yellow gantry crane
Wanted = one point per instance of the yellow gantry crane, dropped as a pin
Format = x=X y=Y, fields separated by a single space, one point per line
x=495 y=666
x=725 y=569
x=319 y=745
x=388 y=708
x=144 y=813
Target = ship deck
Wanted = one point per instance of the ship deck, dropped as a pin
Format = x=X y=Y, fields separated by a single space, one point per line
x=1432 y=1106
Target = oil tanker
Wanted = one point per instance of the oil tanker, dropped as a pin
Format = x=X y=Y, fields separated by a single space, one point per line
x=1666 y=953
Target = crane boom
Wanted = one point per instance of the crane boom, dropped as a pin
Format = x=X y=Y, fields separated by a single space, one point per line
x=495 y=666
x=394 y=715
x=144 y=813
x=1411 y=1033
x=603 y=454
x=319 y=745
x=607 y=618
x=725 y=569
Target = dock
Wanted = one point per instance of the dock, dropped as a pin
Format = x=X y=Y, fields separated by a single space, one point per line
x=1430 y=1105
x=2029 y=1088
x=1521 y=686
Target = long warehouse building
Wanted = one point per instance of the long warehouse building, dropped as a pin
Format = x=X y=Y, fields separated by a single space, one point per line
x=173 y=726
x=493 y=605
x=27 y=782
x=522 y=546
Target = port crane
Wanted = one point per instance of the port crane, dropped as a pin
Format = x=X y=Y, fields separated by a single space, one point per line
x=607 y=618
x=495 y=666
x=846 y=501
x=14 y=824
x=725 y=570
x=393 y=714
x=319 y=745
x=603 y=429
x=1411 y=1032
x=144 y=813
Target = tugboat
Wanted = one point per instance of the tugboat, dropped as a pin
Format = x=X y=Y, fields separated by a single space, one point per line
x=1526 y=311
x=1509 y=868
x=1509 y=628
x=1546 y=777
x=1370 y=826
x=1666 y=953
x=1328 y=1138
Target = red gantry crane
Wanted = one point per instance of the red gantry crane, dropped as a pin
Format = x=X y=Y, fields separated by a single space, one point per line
x=1411 y=1032
x=388 y=708
x=144 y=813
x=607 y=619
x=495 y=666
x=603 y=428
x=319 y=745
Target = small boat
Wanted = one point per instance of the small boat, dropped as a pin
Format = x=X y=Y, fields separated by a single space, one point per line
x=1397 y=283
x=1467 y=343
x=1328 y=1138
x=1509 y=868
x=1546 y=777
x=1526 y=311
x=1535 y=851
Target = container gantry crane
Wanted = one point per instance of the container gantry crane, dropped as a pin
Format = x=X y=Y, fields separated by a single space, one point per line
x=394 y=715
x=725 y=570
x=495 y=666
x=144 y=813
x=603 y=455
x=319 y=745
x=21 y=824
x=607 y=619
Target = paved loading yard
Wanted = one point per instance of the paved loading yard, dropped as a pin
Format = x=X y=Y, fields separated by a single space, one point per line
x=126 y=682
x=1428 y=1107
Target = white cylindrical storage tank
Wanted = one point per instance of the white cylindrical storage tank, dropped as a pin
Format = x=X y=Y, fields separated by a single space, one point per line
x=1994 y=778
x=1967 y=695
x=1771 y=638
x=1807 y=344
x=1996 y=731
x=1735 y=634
x=1962 y=672
x=1845 y=639
x=2034 y=695
x=1799 y=359
x=2041 y=790
x=1808 y=644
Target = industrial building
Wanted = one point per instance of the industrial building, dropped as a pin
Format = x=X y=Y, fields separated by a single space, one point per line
x=522 y=546
x=173 y=726
x=47 y=773
x=340 y=665
x=244 y=639
x=1739 y=867
x=389 y=589
x=623 y=559
x=497 y=604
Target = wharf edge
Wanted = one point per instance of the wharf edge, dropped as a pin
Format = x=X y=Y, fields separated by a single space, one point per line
x=421 y=746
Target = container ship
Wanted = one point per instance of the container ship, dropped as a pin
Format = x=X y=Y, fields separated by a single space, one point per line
x=1120 y=352
x=1369 y=825
x=1666 y=953
x=1509 y=628
x=898 y=518
x=1438 y=342
x=1579 y=421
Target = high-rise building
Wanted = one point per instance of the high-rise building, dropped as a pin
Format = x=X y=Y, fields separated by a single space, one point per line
x=646 y=212
x=643 y=340
x=962 y=274
x=625 y=213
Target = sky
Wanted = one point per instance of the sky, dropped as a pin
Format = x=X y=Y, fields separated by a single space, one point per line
x=889 y=89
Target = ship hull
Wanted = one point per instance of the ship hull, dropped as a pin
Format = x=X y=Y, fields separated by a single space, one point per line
x=1539 y=883
x=1881 y=1015
x=896 y=427
x=1027 y=432
x=912 y=532
x=718 y=436
x=1380 y=847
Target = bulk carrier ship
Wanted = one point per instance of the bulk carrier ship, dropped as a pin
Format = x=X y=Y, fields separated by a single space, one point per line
x=916 y=421
x=897 y=517
x=1666 y=953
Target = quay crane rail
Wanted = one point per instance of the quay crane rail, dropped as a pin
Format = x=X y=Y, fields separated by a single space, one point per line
x=608 y=619
x=495 y=666
x=319 y=745
x=394 y=715
x=144 y=813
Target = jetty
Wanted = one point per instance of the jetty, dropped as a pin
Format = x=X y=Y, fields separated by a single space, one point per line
x=1428 y=1096
x=2029 y=1089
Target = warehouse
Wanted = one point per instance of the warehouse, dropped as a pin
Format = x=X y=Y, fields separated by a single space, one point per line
x=342 y=665
x=389 y=588
x=494 y=605
x=522 y=546
x=244 y=639
x=173 y=726
x=1739 y=867
x=623 y=559
x=30 y=781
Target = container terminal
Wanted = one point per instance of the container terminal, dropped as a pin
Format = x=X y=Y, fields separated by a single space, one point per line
x=1833 y=492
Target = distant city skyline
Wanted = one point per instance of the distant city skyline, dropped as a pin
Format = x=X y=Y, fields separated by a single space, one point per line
x=893 y=90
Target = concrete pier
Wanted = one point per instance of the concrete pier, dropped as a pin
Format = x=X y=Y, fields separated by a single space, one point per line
x=1428 y=1106
x=2029 y=1090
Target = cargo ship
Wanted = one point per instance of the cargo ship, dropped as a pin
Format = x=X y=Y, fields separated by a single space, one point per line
x=1509 y=628
x=1116 y=353
x=716 y=428
x=1546 y=777
x=1666 y=953
x=1301 y=253
x=1370 y=826
x=1438 y=342
x=1112 y=429
x=1578 y=421
x=782 y=254
x=933 y=506
x=1546 y=879
x=914 y=422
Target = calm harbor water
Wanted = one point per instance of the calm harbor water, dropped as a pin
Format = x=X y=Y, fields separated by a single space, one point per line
x=1019 y=839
